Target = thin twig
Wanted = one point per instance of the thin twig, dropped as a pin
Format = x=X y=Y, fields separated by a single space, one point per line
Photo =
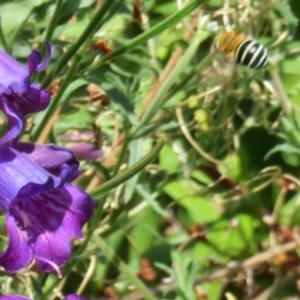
x=253 y=261
x=190 y=139
x=173 y=60
x=268 y=292
x=282 y=97
x=88 y=275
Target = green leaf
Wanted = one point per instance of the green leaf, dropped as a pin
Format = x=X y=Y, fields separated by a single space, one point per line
x=86 y=35
x=285 y=11
x=168 y=159
x=68 y=9
x=236 y=238
x=194 y=208
x=284 y=148
x=20 y=11
x=121 y=101
x=158 y=99
x=290 y=212
x=130 y=276
x=150 y=198
x=136 y=168
x=173 y=19
x=135 y=153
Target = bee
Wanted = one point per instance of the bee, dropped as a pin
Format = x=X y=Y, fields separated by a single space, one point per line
x=242 y=49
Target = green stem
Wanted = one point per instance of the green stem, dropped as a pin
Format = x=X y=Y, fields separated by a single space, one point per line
x=187 y=77
x=121 y=156
x=109 y=185
x=74 y=259
x=158 y=99
x=54 y=102
x=119 y=264
x=148 y=34
x=2 y=38
x=96 y=22
x=96 y=194
x=16 y=32
x=54 y=20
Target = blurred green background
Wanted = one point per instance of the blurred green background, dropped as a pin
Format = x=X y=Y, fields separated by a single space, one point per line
x=215 y=215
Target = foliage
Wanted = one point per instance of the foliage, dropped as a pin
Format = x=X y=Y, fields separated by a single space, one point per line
x=197 y=187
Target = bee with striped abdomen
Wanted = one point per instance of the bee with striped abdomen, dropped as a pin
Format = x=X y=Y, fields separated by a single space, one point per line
x=242 y=49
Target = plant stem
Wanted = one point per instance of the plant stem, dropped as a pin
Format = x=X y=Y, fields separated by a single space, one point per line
x=96 y=22
x=148 y=34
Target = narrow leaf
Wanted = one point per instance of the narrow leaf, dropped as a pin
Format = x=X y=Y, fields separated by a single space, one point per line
x=114 y=182
x=285 y=148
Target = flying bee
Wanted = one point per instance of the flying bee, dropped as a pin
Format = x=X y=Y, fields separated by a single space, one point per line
x=242 y=49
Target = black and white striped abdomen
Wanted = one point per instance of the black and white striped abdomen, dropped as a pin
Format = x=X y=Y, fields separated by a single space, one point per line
x=252 y=54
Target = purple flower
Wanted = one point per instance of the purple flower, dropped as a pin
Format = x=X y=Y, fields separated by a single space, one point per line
x=13 y=297
x=85 y=151
x=73 y=297
x=84 y=145
x=64 y=165
x=18 y=297
x=43 y=210
x=18 y=96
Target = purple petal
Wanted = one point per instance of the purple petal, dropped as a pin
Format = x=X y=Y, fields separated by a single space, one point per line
x=14 y=123
x=44 y=64
x=32 y=189
x=17 y=94
x=48 y=220
x=56 y=160
x=13 y=297
x=67 y=209
x=85 y=151
x=43 y=213
x=35 y=63
x=73 y=297
x=16 y=171
x=34 y=100
x=11 y=71
x=15 y=77
x=18 y=255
